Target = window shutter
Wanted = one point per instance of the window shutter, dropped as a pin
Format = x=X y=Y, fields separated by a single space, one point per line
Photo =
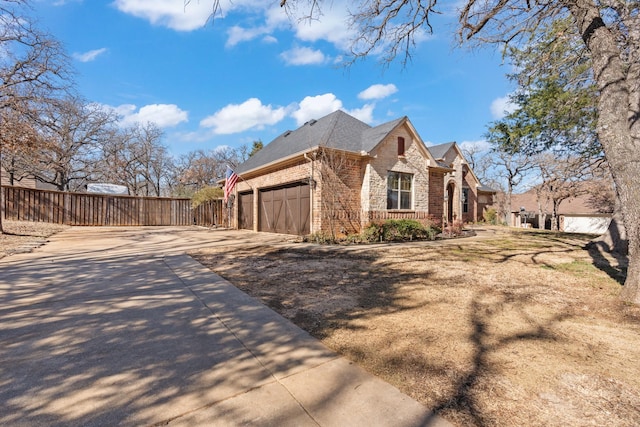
x=400 y=146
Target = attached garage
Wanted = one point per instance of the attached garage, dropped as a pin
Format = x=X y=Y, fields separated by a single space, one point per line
x=245 y=211
x=285 y=209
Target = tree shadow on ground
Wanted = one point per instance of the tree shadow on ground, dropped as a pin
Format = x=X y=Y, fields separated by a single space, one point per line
x=304 y=283
x=109 y=336
x=613 y=263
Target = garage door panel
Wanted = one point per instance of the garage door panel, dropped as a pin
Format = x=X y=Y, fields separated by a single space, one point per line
x=285 y=210
x=266 y=211
x=245 y=211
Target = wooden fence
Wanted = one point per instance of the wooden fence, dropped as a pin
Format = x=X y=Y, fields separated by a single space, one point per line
x=27 y=204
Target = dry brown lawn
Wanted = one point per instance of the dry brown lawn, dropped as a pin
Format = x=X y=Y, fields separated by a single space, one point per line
x=509 y=328
x=23 y=236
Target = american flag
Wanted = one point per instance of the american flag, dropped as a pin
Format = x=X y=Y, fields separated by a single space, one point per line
x=230 y=181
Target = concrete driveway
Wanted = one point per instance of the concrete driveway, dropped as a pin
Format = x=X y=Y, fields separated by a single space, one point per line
x=117 y=326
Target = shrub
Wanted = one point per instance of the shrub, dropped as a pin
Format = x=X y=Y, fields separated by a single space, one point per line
x=320 y=237
x=454 y=229
x=490 y=216
x=398 y=230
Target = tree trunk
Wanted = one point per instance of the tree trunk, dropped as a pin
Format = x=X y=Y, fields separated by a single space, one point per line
x=617 y=126
x=615 y=238
x=1 y=198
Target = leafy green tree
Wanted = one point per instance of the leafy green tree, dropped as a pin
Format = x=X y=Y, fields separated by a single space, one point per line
x=556 y=96
x=257 y=146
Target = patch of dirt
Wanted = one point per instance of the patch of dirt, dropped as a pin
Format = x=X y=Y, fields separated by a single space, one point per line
x=24 y=236
x=507 y=328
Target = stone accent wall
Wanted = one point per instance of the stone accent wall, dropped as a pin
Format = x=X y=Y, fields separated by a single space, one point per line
x=386 y=159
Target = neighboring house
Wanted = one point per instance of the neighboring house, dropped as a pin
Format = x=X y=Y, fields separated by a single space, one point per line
x=337 y=174
x=27 y=182
x=576 y=215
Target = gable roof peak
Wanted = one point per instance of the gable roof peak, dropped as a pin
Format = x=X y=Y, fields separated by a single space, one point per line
x=440 y=151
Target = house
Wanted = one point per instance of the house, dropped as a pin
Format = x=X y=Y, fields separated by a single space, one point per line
x=26 y=182
x=337 y=174
x=579 y=214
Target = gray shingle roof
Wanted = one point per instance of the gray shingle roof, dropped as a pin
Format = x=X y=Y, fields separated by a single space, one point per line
x=486 y=189
x=337 y=130
x=372 y=136
x=439 y=151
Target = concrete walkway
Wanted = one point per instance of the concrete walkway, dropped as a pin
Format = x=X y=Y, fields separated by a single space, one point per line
x=117 y=326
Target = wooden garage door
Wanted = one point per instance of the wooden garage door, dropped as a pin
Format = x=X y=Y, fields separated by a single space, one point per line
x=245 y=211
x=285 y=209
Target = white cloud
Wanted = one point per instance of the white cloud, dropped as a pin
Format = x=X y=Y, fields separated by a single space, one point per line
x=193 y=14
x=378 y=91
x=364 y=114
x=315 y=107
x=502 y=106
x=303 y=56
x=237 y=34
x=169 y=13
x=64 y=2
x=235 y=118
x=481 y=145
x=162 y=115
x=332 y=25
x=269 y=39
x=90 y=55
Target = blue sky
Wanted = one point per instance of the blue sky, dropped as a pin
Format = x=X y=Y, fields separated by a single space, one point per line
x=254 y=73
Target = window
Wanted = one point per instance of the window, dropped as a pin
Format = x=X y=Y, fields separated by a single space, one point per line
x=399 y=190
x=465 y=200
x=400 y=146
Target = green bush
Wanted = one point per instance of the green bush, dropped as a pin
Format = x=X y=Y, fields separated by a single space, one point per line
x=321 y=237
x=394 y=230
x=490 y=216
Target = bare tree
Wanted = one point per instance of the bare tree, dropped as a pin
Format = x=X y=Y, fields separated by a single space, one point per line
x=33 y=67
x=194 y=171
x=338 y=174
x=152 y=156
x=480 y=160
x=18 y=136
x=137 y=158
x=562 y=178
x=199 y=169
x=117 y=164
x=71 y=133
x=512 y=169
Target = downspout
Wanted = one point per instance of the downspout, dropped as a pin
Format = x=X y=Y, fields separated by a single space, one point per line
x=312 y=188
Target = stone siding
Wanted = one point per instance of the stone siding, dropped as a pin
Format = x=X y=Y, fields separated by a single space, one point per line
x=386 y=159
